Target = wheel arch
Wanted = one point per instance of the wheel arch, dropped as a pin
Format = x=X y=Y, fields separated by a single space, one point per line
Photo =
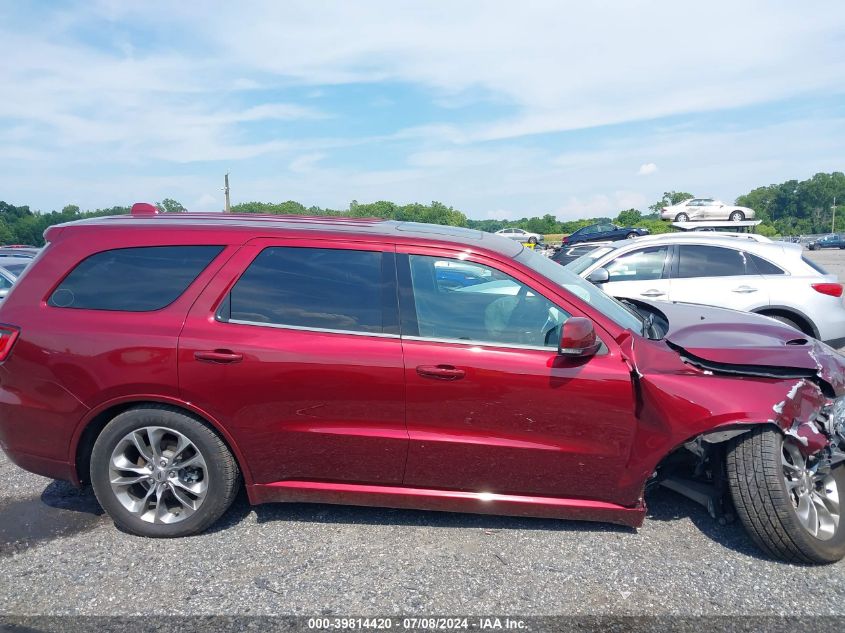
x=790 y=313
x=97 y=419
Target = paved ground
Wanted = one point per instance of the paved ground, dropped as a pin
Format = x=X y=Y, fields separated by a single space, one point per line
x=59 y=554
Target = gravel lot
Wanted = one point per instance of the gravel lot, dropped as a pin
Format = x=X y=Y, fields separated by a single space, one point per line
x=59 y=554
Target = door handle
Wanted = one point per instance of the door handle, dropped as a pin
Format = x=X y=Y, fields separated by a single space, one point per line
x=440 y=372
x=218 y=356
x=744 y=289
x=652 y=293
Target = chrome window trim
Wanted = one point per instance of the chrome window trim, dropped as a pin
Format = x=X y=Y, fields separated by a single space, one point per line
x=459 y=341
x=302 y=328
x=452 y=341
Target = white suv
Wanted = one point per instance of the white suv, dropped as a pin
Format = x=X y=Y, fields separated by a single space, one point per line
x=770 y=278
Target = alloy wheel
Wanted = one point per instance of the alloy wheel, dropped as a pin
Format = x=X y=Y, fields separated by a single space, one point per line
x=813 y=492
x=158 y=474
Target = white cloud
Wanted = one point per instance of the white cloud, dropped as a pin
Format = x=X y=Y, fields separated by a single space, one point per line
x=305 y=163
x=647 y=169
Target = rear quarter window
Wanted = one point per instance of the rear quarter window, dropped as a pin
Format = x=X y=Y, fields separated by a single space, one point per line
x=140 y=279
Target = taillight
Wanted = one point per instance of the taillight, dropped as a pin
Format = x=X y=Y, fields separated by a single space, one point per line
x=8 y=336
x=834 y=290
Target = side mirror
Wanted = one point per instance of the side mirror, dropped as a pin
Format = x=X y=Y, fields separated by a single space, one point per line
x=578 y=338
x=598 y=276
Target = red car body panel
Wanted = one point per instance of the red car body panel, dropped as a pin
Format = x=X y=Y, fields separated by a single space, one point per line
x=351 y=418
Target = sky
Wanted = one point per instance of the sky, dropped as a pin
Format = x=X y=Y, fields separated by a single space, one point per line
x=501 y=109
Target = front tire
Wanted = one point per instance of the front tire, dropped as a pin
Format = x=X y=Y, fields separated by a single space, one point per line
x=631 y=235
x=736 y=216
x=787 y=503
x=161 y=473
x=532 y=240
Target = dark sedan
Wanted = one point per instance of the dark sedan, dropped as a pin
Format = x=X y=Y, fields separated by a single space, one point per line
x=603 y=233
x=834 y=240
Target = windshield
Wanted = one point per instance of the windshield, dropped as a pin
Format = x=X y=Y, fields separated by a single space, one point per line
x=578 y=266
x=584 y=290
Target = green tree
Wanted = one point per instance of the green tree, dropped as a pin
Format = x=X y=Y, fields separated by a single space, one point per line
x=670 y=198
x=630 y=217
x=169 y=205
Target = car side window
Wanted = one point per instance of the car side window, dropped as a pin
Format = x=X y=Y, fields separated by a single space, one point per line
x=712 y=261
x=500 y=311
x=313 y=288
x=587 y=230
x=642 y=265
x=136 y=279
x=763 y=266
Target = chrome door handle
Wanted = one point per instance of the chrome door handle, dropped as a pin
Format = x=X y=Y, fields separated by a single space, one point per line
x=218 y=356
x=440 y=372
x=744 y=289
x=652 y=293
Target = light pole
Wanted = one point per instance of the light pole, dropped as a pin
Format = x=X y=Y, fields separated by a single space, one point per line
x=833 y=221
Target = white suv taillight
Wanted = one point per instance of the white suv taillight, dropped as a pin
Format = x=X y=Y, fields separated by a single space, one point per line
x=834 y=290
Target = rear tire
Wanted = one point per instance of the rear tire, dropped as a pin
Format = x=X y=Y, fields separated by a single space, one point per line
x=736 y=216
x=161 y=473
x=787 y=321
x=682 y=217
x=767 y=499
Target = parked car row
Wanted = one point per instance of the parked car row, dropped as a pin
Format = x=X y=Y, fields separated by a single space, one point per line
x=765 y=277
x=385 y=363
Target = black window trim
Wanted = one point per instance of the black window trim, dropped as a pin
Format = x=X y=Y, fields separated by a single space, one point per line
x=390 y=307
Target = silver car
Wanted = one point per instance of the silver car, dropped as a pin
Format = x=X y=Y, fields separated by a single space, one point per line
x=770 y=278
x=705 y=209
x=10 y=269
x=521 y=235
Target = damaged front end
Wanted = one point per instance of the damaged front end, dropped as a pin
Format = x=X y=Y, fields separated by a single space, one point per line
x=716 y=375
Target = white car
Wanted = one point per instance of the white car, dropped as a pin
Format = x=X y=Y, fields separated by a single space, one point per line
x=521 y=235
x=705 y=209
x=775 y=279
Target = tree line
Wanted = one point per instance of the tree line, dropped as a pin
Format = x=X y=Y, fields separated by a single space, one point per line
x=790 y=208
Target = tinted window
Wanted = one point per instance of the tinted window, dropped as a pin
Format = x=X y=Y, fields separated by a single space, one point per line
x=711 y=261
x=133 y=279
x=499 y=310
x=320 y=288
x=639 y=265
x=764 y=267
x=15 y=269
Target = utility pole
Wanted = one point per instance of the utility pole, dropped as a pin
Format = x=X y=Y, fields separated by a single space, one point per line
x=833 y=221
x=226 y=192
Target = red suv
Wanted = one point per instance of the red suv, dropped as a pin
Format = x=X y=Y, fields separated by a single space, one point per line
x=168 y=358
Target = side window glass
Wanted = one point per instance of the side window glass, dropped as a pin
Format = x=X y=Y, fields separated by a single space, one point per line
x=138 y=279
x=641 y=265
x=4 y=283
x=763 y=266
x=494 y=309
x=711 y=261
x=313 y=288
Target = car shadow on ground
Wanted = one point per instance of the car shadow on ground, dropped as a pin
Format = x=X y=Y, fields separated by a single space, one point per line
x=666 y=505
x=62 y=509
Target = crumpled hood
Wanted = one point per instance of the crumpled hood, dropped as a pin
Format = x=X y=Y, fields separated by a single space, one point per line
x=744 y=341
